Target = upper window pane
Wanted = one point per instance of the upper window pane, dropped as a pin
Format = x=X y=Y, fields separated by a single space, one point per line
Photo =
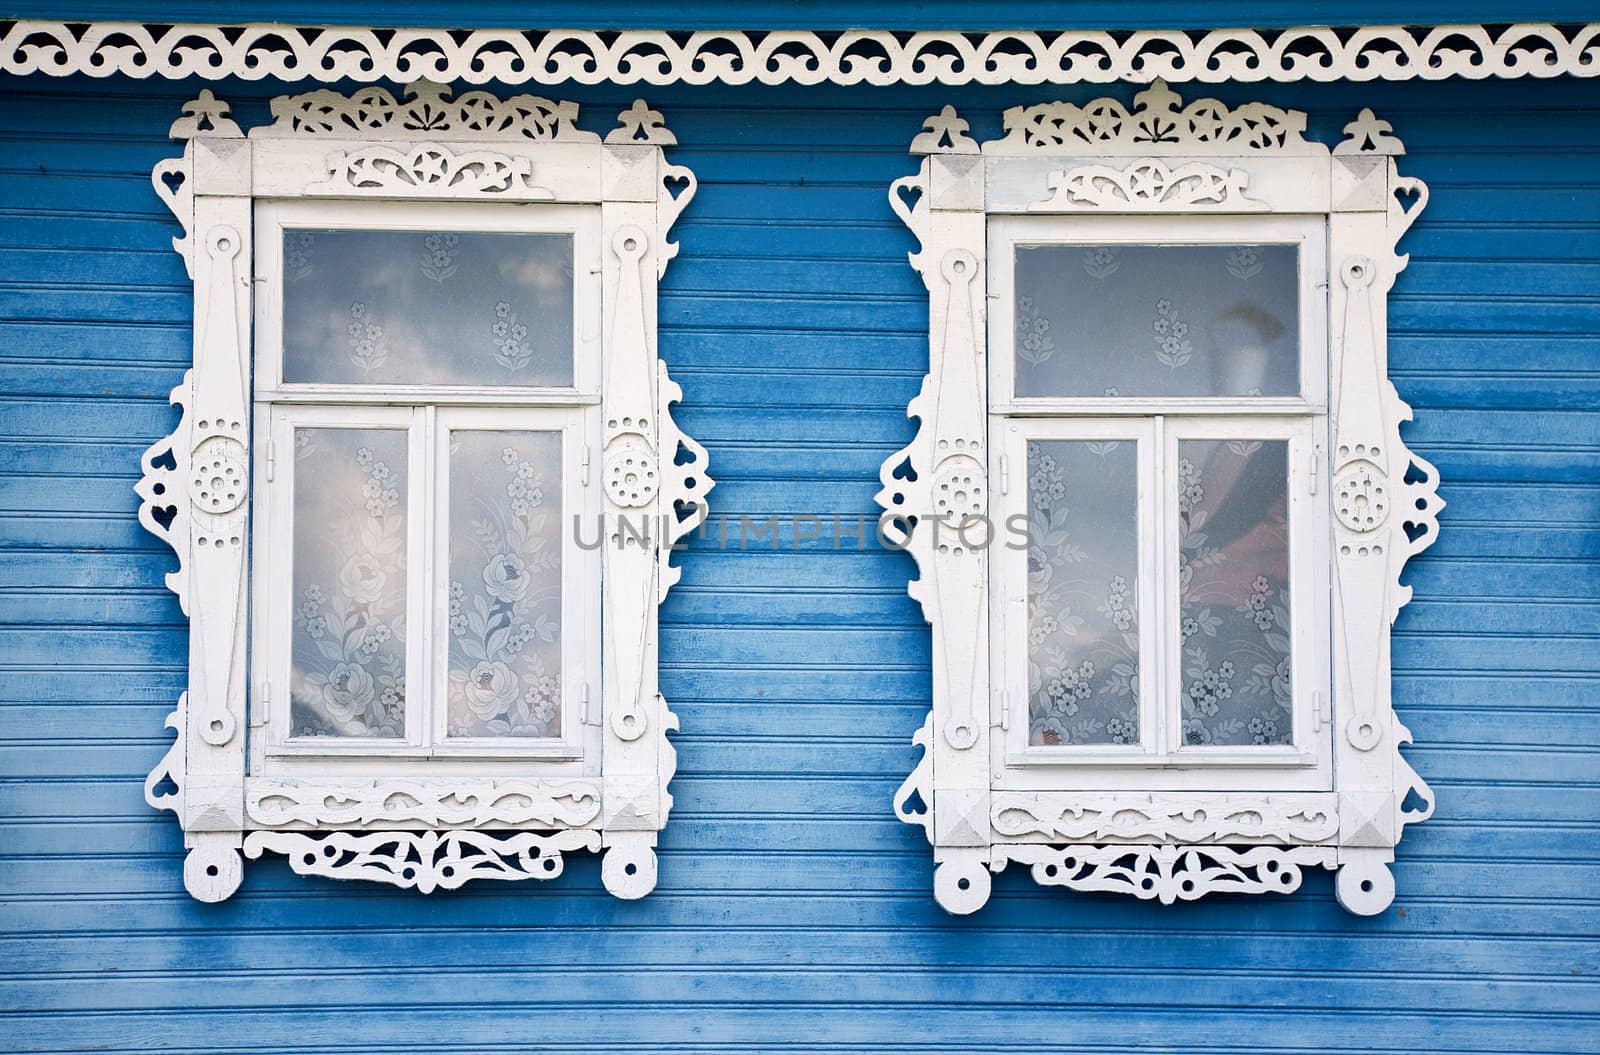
x=1157 y=320
x=427 y=308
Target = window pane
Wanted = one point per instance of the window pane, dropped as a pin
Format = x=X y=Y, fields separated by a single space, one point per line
x=1233 y=582
x=348 y=654
x=1083 y=633
x=1150 y=320
x=427 y=308
x=505 y=584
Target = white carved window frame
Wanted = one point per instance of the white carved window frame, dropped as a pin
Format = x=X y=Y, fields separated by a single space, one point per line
x=1105 y=163
x=432 y=828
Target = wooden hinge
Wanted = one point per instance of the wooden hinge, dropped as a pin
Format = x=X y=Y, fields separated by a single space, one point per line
x=583 y=478
x=1005 y=475
x=272 y=460
x=1316 y=461
x=1319 y=710
x=261 y=713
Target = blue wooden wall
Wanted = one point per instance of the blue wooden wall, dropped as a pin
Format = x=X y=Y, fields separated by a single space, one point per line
x=794 y=914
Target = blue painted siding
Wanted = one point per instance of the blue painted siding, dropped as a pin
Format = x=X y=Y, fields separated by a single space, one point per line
x=794 y=914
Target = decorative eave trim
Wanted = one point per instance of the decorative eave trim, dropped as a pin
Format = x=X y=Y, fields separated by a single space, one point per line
x=879 y=57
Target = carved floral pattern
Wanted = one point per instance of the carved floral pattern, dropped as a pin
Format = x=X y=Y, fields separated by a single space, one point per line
x=1158 y=119
x=426 y=861
x=1168 y=873
x=1147 y=185
x=373 y=112
x=429 y=171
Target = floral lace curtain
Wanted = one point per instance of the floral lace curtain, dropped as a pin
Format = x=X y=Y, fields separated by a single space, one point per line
x=1233 y=585
x=1149 y=320
x=427 y=308
x=505 y=584
x=1083 y=577
x=348 y=650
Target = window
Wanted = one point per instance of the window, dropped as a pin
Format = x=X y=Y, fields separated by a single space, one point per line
x=1158 y=387
x=1159 y=538
x=428 y=656
x=429 y=542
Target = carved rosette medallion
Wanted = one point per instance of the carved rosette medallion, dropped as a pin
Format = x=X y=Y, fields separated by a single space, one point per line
x=1361 y=495
x=630 y=468
x=219 y=479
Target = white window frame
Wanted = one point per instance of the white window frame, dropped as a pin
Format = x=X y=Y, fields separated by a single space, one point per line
x=414 y=815
x=1175 y=823
x=425 y=751
x=1160 y=762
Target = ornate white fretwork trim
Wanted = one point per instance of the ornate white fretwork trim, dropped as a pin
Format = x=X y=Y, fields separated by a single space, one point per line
x=430 y=170
x=1169 y=873
x=421 y=803
x=330 y=54
x=438 y=831
x=1383 y=508
x=1073 y=818
x=426 y=110
x=427 y=861
x=1149 y=185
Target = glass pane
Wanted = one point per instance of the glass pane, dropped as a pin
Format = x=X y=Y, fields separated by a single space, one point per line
x=427 y=308
x=505 y=584
x=1153 y=320
x=1233 y=583
x=1083 y=596
x=348 y=654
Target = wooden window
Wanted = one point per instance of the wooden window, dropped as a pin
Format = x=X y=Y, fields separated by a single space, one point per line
x=465 y=486
x=1159 y=390
x=426 y=598
x=1157 y=399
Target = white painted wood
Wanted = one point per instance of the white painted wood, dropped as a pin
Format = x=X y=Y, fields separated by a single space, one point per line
x=1205 y=819
x=1168 y=873
x=324 y=803
x=951 y=491
x=376 y=155
x=1131 y=817
x=1192 y=183
x=428 y=860
x=333 y=54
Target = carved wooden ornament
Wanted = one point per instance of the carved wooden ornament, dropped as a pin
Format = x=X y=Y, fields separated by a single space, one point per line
x=424 y=831
x=1380 y=506
x=332 y=54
